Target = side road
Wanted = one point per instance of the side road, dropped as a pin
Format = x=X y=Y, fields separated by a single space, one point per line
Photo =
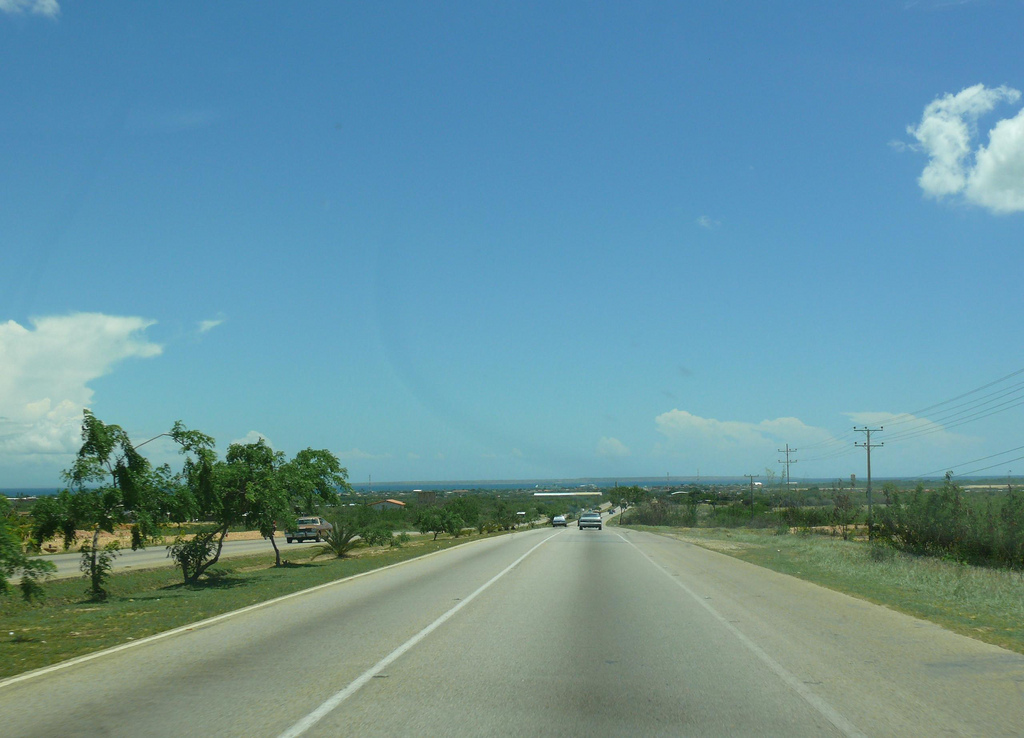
x=156 y=555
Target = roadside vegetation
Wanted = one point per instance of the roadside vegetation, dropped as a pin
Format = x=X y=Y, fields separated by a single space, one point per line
x=14 y=562
x=115 y=497
x=944 y=554
x=984 y=529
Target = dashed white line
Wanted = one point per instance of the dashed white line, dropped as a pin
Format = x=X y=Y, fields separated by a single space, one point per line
x=338 y=697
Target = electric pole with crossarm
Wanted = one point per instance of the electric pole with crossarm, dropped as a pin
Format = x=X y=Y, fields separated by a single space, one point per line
x=787 y=462
x=868 y=445
x=752 y=478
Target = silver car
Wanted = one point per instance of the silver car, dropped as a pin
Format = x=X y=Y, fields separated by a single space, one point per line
x=590 y=520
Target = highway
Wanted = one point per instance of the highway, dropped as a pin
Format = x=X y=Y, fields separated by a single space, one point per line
x=544 y=632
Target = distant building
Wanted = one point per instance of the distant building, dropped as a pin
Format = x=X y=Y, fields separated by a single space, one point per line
x=388 y=505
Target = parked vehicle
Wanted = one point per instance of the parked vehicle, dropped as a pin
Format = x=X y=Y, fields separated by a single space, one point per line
x=309 y=529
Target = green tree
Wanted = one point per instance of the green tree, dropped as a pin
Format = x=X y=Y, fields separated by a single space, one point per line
x=467 y=509
x=253 y=475
x=431 y=520
x=109 y=484
x=254 y=487
x=314 y=479
x=196 y=494
x=440 y=520
x=304 y=485
x=14 y=561
x=453 y=523
x=633 y=495
x=503 y=515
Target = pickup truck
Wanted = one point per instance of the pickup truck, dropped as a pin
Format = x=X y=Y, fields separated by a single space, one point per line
x=308 y=529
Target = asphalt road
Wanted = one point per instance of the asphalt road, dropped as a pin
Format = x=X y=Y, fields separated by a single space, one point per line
x=544 y=632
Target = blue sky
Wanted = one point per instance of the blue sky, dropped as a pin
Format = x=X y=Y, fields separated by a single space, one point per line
x=514 y=240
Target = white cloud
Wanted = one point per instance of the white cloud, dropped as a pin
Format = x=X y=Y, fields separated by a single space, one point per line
x=681 y=427
x=612 y=448
x=252 y=437
x=209 y=325
x=997 y=180
x=706 y=222
x=46 y=372
x=874 y=417
x=912 y=444
x=991 y=176
x=49 y=8
x=730 y=446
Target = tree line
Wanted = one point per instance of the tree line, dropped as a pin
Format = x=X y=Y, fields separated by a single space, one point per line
x=944 y=522
x=111 y=486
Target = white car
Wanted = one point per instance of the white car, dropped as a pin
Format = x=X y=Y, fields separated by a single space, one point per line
x=309 y=529
x=590 y=520
x=558 y=520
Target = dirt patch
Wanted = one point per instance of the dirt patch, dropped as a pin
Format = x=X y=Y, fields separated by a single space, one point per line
x=713 y=544
x=720 y=546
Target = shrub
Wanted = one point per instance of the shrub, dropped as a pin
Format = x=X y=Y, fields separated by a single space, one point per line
x=943 y=522
x=343 y=536
x=843 y=514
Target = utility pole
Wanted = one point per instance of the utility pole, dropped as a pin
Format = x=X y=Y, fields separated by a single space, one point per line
x=787 y=462
x=868 y=445
x=752 y=478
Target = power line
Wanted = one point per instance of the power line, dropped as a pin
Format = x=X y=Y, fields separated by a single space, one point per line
x=951 y=417
x=830 y=441
x=836 y=453
x=1014 y=389
x=983 y=469
x=1011 y=375
x=974 y=461
x=964 y=416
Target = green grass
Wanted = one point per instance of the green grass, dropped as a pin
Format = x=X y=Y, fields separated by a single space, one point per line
x=67 y=624
x=986 y=604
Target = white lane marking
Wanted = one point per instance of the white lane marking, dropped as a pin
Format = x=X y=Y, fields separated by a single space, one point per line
x=827 y=711
x=338 y=697
x=217 y=618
